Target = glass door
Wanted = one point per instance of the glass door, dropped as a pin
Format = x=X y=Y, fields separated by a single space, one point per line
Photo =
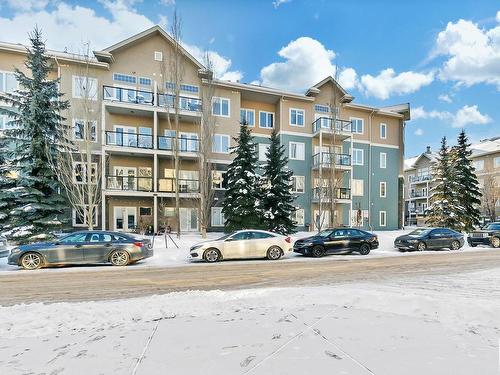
x=189 y=219
x=145 y=139
x=125 y=219
x=125 y=177
x=125 y=136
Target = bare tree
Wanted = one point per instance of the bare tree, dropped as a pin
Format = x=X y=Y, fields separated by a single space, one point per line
x=491 y=195
x=77 y=163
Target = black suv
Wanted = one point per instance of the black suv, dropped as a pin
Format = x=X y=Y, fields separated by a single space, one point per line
x=489 y=235
x=337 y=241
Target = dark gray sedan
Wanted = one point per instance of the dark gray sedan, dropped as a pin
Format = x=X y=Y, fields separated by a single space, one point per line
x=85 y=247
x=430 y=238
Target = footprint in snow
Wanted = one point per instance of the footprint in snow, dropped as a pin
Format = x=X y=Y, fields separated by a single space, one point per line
x=247 y=361
x=333 y=355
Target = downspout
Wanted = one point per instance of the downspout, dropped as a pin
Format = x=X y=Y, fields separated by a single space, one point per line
x=370 y=117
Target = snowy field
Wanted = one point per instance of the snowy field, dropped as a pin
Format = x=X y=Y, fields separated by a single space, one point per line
x=167 y=255
x=445 y=324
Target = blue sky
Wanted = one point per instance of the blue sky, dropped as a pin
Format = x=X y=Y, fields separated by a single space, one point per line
x=441 y=56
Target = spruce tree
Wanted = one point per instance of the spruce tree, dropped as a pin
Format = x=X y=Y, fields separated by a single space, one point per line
x=241 y=206
x=36 y=106
x=444 y=210
x=277 y=198
x=7 y=183
x=468 y=193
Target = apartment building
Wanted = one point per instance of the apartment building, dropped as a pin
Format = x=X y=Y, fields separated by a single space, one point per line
x=359 y=150
x=419 y=179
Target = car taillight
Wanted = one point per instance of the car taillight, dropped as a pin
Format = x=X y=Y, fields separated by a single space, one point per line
x=138 y=244
x=288 y=240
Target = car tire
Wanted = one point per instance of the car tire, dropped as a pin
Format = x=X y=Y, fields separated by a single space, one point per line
x=364 y=249
x=212 y=255
x=318 y=251
x=421 y=246
x=472 y=245
x=455 y=245
x=274 y=253
x=119 y=258
x=31 y=261
x=495 y=242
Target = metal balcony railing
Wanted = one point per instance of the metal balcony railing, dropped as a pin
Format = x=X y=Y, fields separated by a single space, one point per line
x=420 y=178
x=418 y=195
x=185 y=103
x=185 y=144
x=126 y=95
x=168 y=185
x=129 y=183
x=329 y=159
x=326 y=193
x=327 y=123
x=114 y=138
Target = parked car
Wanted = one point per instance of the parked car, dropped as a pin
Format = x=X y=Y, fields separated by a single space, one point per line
x=430 y=238
x=4 y=250
x=337 y=241
x=488 y=235
x=85 y=247
x=243 y=244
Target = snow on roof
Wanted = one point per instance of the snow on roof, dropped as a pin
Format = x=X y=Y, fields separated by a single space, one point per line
x=410 y=162
x=486 y=146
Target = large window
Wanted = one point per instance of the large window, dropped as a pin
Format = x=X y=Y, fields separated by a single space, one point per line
x=84 y=88
x=357 y=125
x=247 y=116
x=382 y=218
x=298 y=184
x=296 y=151
x=296 y=117
x=266 y=119
x=496 y=162
x=220 y=143
x=80 y=129
x=383 y=160
x=357 y=187
x=262 y=151
x=8 y=82
x=383 y=131
x=219 y=180
x=357 y=156
x=383 y=189
x=217 y=217
x=298 y=217
x=220 y=107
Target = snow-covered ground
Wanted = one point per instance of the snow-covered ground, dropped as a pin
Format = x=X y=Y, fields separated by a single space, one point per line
x=442 y=324
x=167 y=255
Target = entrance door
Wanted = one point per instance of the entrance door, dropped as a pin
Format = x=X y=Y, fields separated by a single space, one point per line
x=125 y=178
x=145 y=180
x=126 y=136
x=188 y=142
x=145 y=138
x=125 y=219
x=189 y=219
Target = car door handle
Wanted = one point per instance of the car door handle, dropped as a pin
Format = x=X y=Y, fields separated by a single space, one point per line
x=107 y=245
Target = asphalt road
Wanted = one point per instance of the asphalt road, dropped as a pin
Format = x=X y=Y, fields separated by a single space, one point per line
x=105 y=283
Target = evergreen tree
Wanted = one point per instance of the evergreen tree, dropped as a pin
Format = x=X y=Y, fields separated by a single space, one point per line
x=277 y=198
x=38 y=206
x=241 y=206
x=468 y=193
x=444 y=210
x=7 y=182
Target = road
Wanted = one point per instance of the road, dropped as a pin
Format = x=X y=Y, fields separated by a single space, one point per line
x=106 y=283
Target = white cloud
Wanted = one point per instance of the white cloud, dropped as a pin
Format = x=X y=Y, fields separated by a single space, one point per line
x=473 y=53
x=277 y=3
x=167 y=2
x=220 y=64
x=387 y=83
x=348 y=78
x=467 y=115
x=26 y=5
x=419 y=132
x=445 y=98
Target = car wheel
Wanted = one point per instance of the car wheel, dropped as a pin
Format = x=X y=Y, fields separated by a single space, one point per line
x=212 y=255
x=455 y=245
x=274 y=253
x=318 y=251
x=473 y=245
x=31 y=261
x=119 y=258
x=364 y=249
x=421 y=246
x=495 y=242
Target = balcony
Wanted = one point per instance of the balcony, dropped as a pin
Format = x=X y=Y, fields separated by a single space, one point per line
x=123 y=95
x=168 y=185
x=417 y=179
x=325 y=194
x=121 y=139
x=129 y=183
x=327 y=126
x=331 y=160
x=185 y=103
x=185 y=144
x=415 y=194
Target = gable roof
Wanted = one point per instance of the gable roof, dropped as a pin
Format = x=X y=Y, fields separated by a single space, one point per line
x=107 y=53
x=314 y=90
x=411 y=163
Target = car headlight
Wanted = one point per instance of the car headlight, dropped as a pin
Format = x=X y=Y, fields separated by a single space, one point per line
x=15 y=250
x=412 y=241
x=195 y=247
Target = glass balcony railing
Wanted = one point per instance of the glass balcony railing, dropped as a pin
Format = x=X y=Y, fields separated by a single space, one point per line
x=326 y=193
x=114 y=138
x=129 y=183
x=327 y=123
x=185 y=144
x=126 y=95
x=185 y=103
x=422 y=178
x=168 y=185
x=330 y=159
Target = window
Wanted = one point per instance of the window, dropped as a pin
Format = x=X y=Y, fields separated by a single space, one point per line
x=357 y=156
x=158 y=56
x=383 y=130
x=5 y=122
x=124 y=78
x=296 y=151
x=145 y=211
x=383 y=160
x=496 y=162
x=357 y=187
x=242 y=236
x=220 y=144
x=170 y=85
x=80 y=218
x=296 y=117
x=77 y=237
x=382 y=216
x=219 y=180
x=84 y=87
x=143 y=81
x=217 y=217
x=357 y=125
x=247 y=116
x=190 y=88
x=220 y=107
x=80 y=129
x=322 y=108
x=262 y=151
x=266 y=119
x=383 y=189
x=80 y=172
x=260 y=235
x=479 y=165
x=298 y=184
x=298 y=216
x=8 y=82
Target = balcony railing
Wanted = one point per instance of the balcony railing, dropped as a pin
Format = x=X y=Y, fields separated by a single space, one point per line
x=327 y=123
x=185 y=103
x=330 y=159
x=418 y=195
x=326 y=193
x=420 y=178
x=125 y=95
x=114 y=138
x=168 y=185
x=185 y=144
x=129 y=183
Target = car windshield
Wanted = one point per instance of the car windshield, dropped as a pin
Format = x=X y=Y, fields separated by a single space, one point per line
x=419 y=232
x=492 y=226
x=225 y=236
x=325 y=233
